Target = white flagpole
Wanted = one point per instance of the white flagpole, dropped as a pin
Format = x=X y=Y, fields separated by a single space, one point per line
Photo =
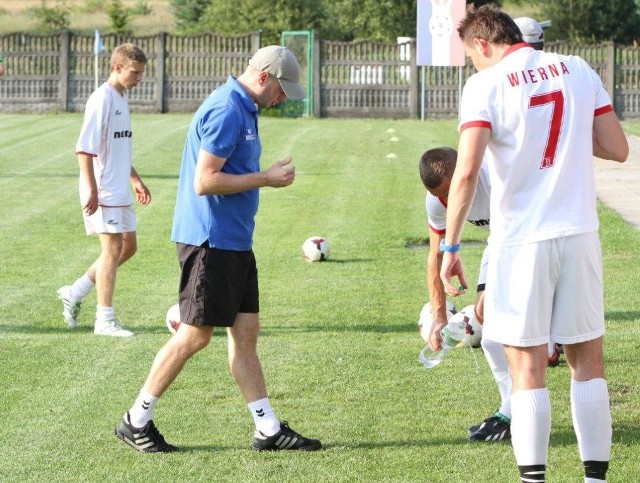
x=98 y=48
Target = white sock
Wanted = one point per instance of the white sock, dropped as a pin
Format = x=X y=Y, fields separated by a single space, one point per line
x=142 y=410
x=531 y=426
x=81 y=287
x=592 y=419
x=105 y=313
x=593 y=480
x=264 y=417
x=497 y=359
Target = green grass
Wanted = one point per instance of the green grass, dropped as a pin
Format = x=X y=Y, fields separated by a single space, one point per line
x=339 y=344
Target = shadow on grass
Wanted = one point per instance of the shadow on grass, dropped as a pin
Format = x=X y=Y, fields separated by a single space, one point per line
x=616 y=316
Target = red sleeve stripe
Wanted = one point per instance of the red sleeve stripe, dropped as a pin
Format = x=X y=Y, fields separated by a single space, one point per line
x=437 y=231
x=467 y=125
x=84 y=152
x=603 y=110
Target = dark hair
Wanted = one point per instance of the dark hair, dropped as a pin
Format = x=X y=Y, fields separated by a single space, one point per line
x=489 y=23
x=537 y=45
x=437 y=164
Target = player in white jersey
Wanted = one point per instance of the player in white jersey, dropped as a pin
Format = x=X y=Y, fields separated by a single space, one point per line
x=534 y=113
x=106 y=173
x=436 y=168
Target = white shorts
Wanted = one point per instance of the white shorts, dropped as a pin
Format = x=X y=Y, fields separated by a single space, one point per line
x=546 y=291
x=482 y=275
x=121 y=219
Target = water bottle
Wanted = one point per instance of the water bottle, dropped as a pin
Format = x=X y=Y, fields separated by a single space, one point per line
x=452 y=334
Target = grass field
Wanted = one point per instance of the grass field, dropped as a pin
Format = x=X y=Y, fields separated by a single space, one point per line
x=339 y=344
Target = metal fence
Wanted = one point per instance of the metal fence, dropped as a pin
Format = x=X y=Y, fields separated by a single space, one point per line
x=351 y=79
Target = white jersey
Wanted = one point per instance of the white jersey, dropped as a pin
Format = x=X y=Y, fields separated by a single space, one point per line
x=106 y=135
x=534 y=164
x=478 y=213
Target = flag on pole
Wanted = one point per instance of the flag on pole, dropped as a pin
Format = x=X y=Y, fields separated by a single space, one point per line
x=98 y=46
x=437 y=37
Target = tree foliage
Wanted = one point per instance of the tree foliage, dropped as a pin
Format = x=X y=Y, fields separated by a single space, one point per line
x=52 y=19
x=118 y=16
x=273 y=17
x=382 y=20
x=592 y=21
x=187 y=14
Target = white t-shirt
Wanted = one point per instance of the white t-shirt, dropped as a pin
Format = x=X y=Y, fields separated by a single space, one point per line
x=106 y=135
x=478 y=213
x=540 y=108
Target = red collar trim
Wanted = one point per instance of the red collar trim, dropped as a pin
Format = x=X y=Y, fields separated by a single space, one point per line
x=515 y=47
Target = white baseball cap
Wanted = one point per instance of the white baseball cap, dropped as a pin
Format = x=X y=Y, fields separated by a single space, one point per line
x=281 y=64
x=531 y=30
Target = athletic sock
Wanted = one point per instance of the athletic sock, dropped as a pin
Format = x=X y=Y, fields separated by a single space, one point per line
x=533 y=473
x=105 y=313
x=531 y=426
x=81 y=287
x=497 y=360
x=264 y=417
x=592 y=422
x=142 y=410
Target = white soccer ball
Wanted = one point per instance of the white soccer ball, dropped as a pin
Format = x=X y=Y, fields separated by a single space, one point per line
x=425 y=321
x=173 y=318
x=316 y=249
x=474 y=329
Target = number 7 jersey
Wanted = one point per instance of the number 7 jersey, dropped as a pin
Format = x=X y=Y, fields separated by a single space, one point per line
x=540 y=108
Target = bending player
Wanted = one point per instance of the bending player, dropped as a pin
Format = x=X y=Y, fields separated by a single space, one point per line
x=436 y=169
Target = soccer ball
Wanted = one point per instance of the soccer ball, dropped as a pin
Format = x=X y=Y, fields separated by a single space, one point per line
x=473 y=334
x=173 y=318
x=425 y=320
x=316 y=249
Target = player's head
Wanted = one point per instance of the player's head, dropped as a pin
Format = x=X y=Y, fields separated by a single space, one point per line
x=436 y=170
x=487 y=25
x=532 y=32
x=127 y=66
x=280 y=63
x=127 y=54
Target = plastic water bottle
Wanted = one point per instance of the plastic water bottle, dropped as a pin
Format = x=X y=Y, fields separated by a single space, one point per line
x=452 y=334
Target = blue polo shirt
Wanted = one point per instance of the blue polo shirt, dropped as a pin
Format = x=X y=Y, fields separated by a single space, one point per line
x=226 y=124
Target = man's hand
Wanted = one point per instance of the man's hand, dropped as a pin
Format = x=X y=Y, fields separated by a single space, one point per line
x=278 y=176
x=452 y=267
x=143 y=195
x=435 y=338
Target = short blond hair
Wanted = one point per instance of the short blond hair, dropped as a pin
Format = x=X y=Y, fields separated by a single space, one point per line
x=127 y=54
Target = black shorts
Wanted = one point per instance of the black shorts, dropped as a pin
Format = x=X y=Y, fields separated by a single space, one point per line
x=216 y=285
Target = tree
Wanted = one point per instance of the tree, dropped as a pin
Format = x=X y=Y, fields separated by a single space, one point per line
x=592 y=21
x=52 y=19
x=187 y=14
x=382 y=20
x=273 y=17
x=118 y=16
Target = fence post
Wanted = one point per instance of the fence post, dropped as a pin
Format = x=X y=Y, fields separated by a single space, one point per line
x=610 y=83
x=256 y=40
x=65 y=48
x=161 y=54
x=413 y=80
x=317 y=98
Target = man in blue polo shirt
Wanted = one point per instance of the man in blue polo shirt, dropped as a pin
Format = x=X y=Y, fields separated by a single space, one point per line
x=213 y=228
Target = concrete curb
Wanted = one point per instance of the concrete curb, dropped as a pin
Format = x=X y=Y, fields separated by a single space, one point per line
x=618 y=184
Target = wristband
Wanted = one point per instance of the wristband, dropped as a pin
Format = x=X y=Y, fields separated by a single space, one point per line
x=449 y=248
